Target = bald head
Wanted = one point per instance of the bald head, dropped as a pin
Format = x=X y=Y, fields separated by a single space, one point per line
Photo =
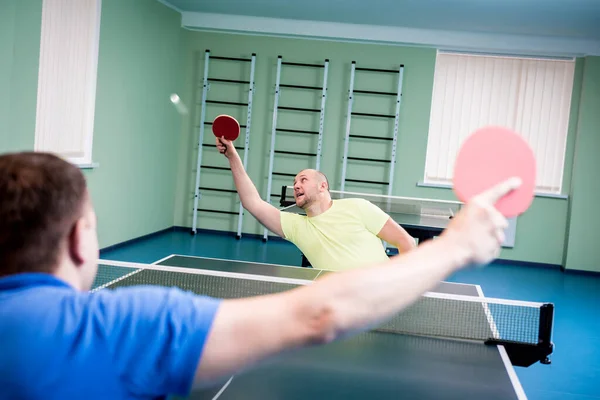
x=314 y=175
x=311 y=187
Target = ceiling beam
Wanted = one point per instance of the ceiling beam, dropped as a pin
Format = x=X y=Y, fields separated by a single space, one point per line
x=390 y=35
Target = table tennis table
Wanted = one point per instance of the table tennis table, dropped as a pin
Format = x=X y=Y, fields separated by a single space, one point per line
x=422 y=218
x=430 y=350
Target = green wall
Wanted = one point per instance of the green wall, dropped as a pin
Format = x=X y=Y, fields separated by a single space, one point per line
x=20 y=27
x=540 y=232
x=136 y=128
x=582 y=250
x=417 y=87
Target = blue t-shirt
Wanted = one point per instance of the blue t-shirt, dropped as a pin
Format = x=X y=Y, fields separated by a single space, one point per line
x=131 y=343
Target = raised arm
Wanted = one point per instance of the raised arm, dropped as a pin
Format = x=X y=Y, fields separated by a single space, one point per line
x=247 y=331
x=264 y=212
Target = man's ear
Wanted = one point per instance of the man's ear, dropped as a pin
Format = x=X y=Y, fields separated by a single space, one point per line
x=76 y=242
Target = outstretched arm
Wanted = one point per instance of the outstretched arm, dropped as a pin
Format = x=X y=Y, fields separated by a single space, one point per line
x=247 y=331
x=264 y=212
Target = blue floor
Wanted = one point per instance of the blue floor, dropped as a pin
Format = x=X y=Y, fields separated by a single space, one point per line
x=574 y=373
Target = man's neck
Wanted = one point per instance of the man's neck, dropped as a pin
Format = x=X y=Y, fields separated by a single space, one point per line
x=318 y=207
x=67 y=273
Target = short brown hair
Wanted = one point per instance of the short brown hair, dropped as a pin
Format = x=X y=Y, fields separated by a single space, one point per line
x=41 y=198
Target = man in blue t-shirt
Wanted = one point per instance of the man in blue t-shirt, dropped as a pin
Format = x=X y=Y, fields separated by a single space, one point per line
x=59 y=341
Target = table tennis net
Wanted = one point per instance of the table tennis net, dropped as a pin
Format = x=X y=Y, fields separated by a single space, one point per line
x=390 y=204
x=434 y=314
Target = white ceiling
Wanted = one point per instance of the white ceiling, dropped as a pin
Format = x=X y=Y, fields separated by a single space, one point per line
x=557 y=18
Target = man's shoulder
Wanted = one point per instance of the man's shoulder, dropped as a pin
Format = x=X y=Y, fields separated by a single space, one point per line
x=292 y=216
x=361 y=207
x=352 y=202
x=107 y=325
x=147 y=299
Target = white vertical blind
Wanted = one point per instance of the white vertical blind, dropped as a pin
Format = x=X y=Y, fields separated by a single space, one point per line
x=530 y=96
x=67 y=78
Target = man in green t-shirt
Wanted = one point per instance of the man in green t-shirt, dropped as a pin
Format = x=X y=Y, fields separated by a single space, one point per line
x=334 y=234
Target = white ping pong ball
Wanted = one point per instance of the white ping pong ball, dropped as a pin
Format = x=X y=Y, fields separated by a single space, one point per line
x=179 y=106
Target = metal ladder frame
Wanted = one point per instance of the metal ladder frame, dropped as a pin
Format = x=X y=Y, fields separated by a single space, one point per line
x=394 y=139
x=201 y=144
x=351 y=92
x=274 y=128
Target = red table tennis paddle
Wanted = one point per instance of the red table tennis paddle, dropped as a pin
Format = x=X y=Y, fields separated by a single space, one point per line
x=226 y=126
x=489 y=156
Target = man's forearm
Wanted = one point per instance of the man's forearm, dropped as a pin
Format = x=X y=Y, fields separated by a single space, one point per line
x=397 y=236
x=362 y=298
x=245 y=188
x=405 y=243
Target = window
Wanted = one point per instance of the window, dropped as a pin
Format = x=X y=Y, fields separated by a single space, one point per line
x=67 y=78
x=531 y=96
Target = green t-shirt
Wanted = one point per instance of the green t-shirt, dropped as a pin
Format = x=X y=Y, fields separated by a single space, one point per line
x=343 y=237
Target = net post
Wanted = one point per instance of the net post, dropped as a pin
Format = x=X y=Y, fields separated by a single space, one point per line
x=545 y=331
x=283 y=196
